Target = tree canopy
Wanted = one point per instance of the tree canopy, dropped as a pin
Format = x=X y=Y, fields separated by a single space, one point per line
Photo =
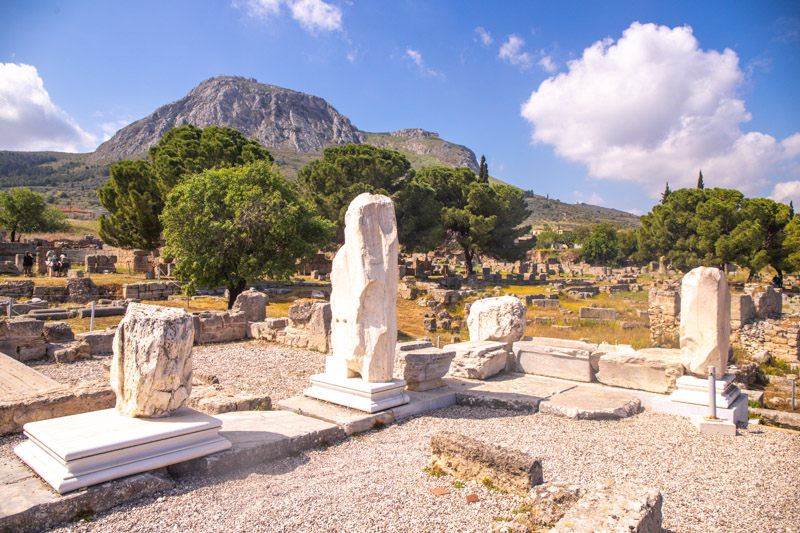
x=344 y=172
x=602 y=246
x=478 y=217
x=24 y=211
x=136 y=191
x=228 y=226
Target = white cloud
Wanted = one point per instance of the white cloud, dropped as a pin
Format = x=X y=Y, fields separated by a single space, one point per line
x=592 y=199
x=546 y=62
x=416 y=58
x=511 y=52
x=352 y=56
x=29 y=120
x=791 y=145
x=786 y=192
x=484 y=36
x=634 y=211
x=653 y=107
x=110 y=128
x=313 y=15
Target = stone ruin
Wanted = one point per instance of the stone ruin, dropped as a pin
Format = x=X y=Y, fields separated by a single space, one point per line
x=100 y=264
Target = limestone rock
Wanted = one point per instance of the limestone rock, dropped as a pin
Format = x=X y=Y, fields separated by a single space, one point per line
x=22 y=338
x=651 y=369
x=58 y=332
x=499 y=319
x=364 y=291
x=619 y=507
x=705 y=326
x=101 y=342
x=554 y=358
x=421 y=365
x=151 y=372
x=253 y=303
x=477 y=359
x=471 y=459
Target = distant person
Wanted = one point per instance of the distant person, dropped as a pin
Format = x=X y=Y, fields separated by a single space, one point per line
x=27 y=264
x=51 y=265
x=778 y=280
x=64 y=265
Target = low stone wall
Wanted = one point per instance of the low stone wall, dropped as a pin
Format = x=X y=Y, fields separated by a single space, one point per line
x=100 y=263
x=17 y=289
x=157 y=290
x=780 y=338
x=225 y=326
x=22 y=338
x=664 y=309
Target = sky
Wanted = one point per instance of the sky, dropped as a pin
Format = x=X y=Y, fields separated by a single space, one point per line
x=584 y=101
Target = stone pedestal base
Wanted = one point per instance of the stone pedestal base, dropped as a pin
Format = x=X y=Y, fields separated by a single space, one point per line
x=76 y=451
x=357 y=393
x=714 y=427
x=695 y=391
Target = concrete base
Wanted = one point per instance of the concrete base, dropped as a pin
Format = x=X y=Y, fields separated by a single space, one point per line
x=736 y=412
x=695 y=391
x=357 y=393
x=714 y=427
x=77 y=451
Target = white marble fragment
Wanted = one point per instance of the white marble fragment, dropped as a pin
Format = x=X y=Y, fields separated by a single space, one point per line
x=705 y=327
x=500 y=319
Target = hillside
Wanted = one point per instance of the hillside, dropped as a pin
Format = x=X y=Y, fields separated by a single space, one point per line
x=557 y=213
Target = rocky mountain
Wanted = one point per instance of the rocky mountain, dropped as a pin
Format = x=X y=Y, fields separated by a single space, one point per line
x=295 y=126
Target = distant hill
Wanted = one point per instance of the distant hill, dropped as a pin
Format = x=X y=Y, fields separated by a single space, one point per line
x=568 y=216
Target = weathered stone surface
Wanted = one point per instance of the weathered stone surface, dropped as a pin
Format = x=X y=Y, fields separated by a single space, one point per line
x=477 y=359
x=81 y=290
x=151 y=372
x=583 y=403
x=548 y=503
x=68 y=352
x=211 y=326
x=651 y=369
x=598 y=313
x=253 y=304
x=422 y=367
x=556 y=358
x=499 y=319
x=60 y=400
x=55 y=332
x=364 y=291
x=101 y=342
x=705 y=326
x=213 y=400
x=612 y=509
x=467 y=458
x=22 y=338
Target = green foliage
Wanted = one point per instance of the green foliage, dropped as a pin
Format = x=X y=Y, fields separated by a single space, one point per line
x=548 y=237
x=792 y=244
x=24 y=211
x=136 y=191
x=700 y=184
x=483 y=171
x=665 y=194
x=344 y=172
x=418 y=213
x=758 y=239
x=228 y=226
x=479 y=217
x=602 y=246
x=458 y=484
x=433 y=471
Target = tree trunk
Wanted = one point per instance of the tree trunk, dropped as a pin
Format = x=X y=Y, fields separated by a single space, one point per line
x=469 y=255
x=13 y=233
x=234 y=290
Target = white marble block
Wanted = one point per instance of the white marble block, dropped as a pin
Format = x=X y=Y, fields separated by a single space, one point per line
x=364 y=290
x=705 y=327
x=499 y=319
x=477 y=359
x=151 y=371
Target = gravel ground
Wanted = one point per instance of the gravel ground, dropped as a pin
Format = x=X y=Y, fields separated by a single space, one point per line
x=375 y=481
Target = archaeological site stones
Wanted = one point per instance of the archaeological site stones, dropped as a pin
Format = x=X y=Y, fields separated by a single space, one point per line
x=705 y=326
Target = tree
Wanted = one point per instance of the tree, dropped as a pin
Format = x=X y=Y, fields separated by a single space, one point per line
x=344 y=172
x=24 y=211
x=602 y=246
x=665 y=194
x=547 y=237
x=792 y=244
x=483 y=171
x=478 y=217
x=136 y=190
x=628 y=245
x=419 y=218
x=700 y=184
x=228 y=226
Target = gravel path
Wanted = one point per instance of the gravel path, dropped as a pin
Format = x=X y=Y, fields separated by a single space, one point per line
x=375 y=481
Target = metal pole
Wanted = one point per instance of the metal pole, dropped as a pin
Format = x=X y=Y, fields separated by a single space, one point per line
x=794 y=380
x=91 y=321
x=712 y=393
x=158 y=272
x=10 y=306
x=438 y=341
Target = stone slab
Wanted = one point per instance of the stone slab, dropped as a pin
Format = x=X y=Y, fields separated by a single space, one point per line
x=584 y=403
x=353 y=421
x=736 y=413
x=17 y=379
x=357 y=393
x=615 y=508
x=552 y=361
x=719 y=427
x=515 y=392
x=77 y=451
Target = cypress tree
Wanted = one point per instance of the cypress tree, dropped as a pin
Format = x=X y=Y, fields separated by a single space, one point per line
x=483 y=171
x=700 y=184
x=664 y=194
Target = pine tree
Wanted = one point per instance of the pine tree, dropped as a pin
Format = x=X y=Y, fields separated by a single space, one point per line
x=791 y=209
x=664 y=194
x=483 y=171
x=700 y=184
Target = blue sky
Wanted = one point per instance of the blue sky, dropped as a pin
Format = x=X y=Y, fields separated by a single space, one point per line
x=600 y=102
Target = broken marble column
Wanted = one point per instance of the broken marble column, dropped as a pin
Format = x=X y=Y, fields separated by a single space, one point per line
x=151 y=372
x=500 y=319
x=705 y=327
x=364 y=311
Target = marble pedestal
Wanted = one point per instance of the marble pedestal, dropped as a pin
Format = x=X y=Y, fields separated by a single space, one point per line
x=691 y=399
x=76 y=451
x=357 y=393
